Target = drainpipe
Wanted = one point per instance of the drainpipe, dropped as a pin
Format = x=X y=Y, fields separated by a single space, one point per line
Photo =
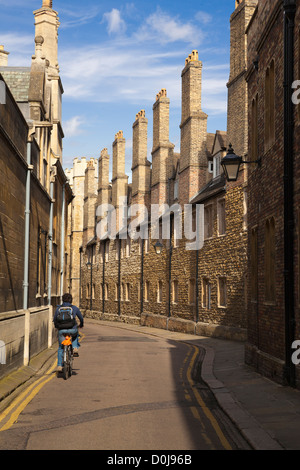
x=170 y=265
x=197 y=285
x=62 y=241
x=27 y=220
x=50 y=238
x=103 y=277
x=80 y=276
x=50 y=235
x=289 y=8
x=119 y=278
x=142 y=275
x=26 y=251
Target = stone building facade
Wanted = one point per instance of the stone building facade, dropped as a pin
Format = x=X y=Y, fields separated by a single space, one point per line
x=201 y=290
x=273 y=210
x=34 y=189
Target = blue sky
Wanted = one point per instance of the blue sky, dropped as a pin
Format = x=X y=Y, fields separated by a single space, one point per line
x=115 y=56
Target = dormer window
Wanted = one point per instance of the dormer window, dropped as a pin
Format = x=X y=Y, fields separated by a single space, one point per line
x=217 y=166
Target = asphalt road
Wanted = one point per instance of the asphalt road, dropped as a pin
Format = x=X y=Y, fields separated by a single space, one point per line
x=129 y=391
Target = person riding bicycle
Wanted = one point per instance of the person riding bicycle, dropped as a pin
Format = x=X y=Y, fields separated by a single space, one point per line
x=65 y=321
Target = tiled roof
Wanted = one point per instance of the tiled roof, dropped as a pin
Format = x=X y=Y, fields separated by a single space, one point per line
x=17 y=79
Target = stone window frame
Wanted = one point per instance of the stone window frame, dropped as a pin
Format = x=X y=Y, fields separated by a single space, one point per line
x=106 y=291
x=206 y=293
x=126 y=292
x=222 y=213
x=175 y=291
x=159 y=297
x=222 y=295
x=208 y=224
x=147 y=291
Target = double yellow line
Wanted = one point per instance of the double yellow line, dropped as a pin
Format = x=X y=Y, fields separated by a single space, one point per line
x=24 y=398
x=202 y=404
x=12 y=412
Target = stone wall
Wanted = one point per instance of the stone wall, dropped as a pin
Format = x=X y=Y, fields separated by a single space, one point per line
x=23 y=335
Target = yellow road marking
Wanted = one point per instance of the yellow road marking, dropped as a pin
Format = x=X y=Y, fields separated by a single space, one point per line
x=203 y=406
x=36 y=386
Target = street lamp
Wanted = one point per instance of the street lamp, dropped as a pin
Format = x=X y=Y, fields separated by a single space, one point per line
x=158 y=247
x=231 y=164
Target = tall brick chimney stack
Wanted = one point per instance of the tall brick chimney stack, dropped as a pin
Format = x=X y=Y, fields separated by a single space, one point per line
x=140 y=164
x=90 y=199
x=103 y=179
x=162 y=149
x=119 y=178
x=237 y=112
x=193 y=164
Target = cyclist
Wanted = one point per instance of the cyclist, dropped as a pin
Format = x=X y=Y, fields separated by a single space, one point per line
x=71 y=330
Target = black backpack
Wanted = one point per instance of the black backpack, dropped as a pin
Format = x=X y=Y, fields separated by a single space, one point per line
x=65 y=319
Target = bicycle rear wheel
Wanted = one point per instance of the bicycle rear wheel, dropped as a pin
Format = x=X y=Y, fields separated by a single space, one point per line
x=66 y=364
x=70 y=361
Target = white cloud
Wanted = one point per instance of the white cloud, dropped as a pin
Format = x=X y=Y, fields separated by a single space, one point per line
x=72 y=127
x=79 y=17
x=115 y=24
x=164 y=29
x=203 y=17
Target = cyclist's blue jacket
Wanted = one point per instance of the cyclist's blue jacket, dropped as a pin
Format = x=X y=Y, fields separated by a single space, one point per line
x=75 y=309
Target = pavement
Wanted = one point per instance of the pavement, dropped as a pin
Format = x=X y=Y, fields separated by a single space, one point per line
x=266 y=413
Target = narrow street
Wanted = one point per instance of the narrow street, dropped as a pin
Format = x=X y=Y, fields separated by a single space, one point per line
x=129 y=391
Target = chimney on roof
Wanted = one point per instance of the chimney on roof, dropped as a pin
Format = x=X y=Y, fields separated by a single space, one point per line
x=3 y=57
x=47 y=3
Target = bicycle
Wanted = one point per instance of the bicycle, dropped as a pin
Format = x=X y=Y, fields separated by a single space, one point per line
x=67 y=356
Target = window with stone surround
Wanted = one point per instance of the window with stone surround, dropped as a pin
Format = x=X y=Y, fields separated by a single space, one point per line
x=221 y=217
x=117 y=244
x=175 y=292
x=106 y=292
x=159 y=291
x=128 y=247
x=147 y=291
x=206 y=293
x=126 y=291
x=208 y=221
x=106 y=251
x=139 y=291
x=222 y=292
x=270 y=260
